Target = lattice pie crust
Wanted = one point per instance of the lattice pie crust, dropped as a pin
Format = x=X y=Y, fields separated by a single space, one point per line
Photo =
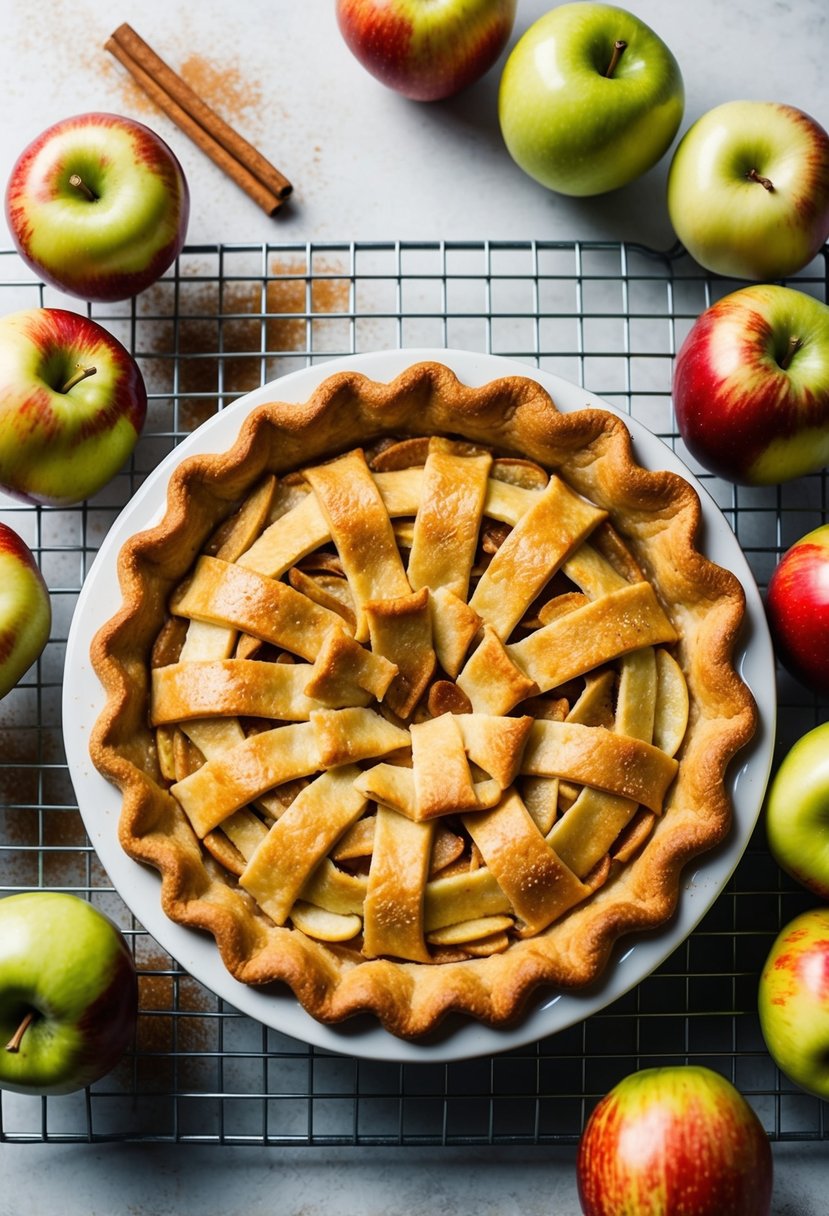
x=421 y=696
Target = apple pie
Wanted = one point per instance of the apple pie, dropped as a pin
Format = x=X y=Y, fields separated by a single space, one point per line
x=421 y=696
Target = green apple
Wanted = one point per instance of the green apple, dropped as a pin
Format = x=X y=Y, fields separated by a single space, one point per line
x=68 y=993
x=590 y=98
x=797 y=812
x=748 y=189
x=794 y=1001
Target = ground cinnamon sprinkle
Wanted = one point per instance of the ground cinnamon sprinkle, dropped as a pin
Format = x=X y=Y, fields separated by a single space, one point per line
x=241 y=319
x=228 y=88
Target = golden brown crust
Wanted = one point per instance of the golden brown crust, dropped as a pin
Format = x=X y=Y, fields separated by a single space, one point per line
x=658 y=515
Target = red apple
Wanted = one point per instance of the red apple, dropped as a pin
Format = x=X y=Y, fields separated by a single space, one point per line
x=72 y=404
x=794 y=1001
x=428 y=50
x=751 y=385
x=97 y=205
x=797 y=606
x=671 y=1140
x=25 y=609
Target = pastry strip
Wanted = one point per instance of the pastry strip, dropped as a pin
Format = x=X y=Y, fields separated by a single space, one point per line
x=300 y=839
x=394 y=786
x=245 y=830
x=346 y=736
x=329 y=590
x=601 y=631
x=262 y=761
x=393 y=909
x=442 y=778
x=490 y=678
x=234 y=777
x=225 y=594
x=495 y=744
x=304 y=528
x=361 y=530
x=555 y=525
x=540 y=887
x=346 y=673
x=228 y=687
x=239 y=532
x=448 y=519
x=598 y=757
x=454 y=625
x=583 y=836
x=401 y=630
x=463 y=897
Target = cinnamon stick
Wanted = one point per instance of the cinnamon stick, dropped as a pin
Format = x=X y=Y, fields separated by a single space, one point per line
x=240 y=160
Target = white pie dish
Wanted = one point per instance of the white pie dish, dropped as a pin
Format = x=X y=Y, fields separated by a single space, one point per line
x=139 y=887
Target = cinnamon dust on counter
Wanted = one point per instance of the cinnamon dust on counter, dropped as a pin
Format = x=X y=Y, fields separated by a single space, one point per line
x=227 y=87
x=239 y=318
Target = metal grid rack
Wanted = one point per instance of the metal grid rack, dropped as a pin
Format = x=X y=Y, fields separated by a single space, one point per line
x=607 y=316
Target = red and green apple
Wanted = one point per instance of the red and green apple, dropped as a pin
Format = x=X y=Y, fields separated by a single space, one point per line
x=590 y=98
x=793 y=1001
x=68 y=993
x=670 y=1140
x=748 y=189
x=97 y=206
x=751 y=385
x=426 y=51
x=797 y=806
x=25 y=609
x=72 y=405
x=797 y=606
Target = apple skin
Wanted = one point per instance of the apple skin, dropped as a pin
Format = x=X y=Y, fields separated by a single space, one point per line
x=25 y=609
x=731 y=223
x=570 y=126
x=797 y=806
x=110 y=247
x=749 y=406
x=67 y=962
x=797 y=607
x=58 y=448
x=671 y=1140
x=426 y=51
x=793 y=1001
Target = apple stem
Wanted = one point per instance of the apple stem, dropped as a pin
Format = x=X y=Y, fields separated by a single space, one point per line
x=618 y=46
x=794 y=346
x=17 y=1038
x=76 y=377
x=765 y=182
x=77 y=181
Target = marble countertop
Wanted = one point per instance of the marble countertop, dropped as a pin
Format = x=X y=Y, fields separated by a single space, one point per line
x=366 y=165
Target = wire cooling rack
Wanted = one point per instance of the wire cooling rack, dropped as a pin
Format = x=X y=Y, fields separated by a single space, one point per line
x=229 y=318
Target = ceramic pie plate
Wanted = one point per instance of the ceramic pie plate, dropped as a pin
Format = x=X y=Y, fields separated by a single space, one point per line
x=458 y=1038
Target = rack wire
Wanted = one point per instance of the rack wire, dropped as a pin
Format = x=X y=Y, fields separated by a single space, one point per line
x=226 y=319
